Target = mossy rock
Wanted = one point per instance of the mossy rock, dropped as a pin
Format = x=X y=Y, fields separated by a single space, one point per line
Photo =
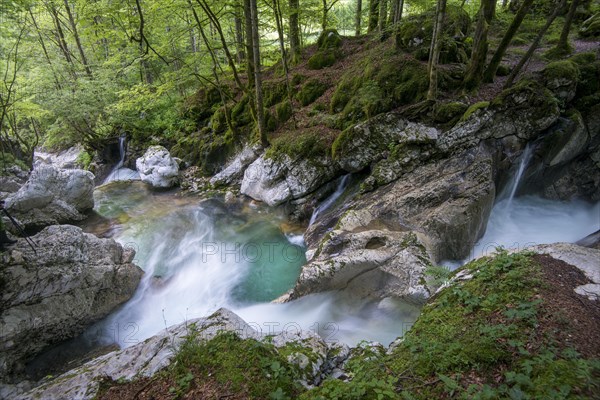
x=274 y=92
x=379 y=86
x=473 y=108
x=312 y=90
x=503 y=70
x=590 y=27
x=298 y=145
x=283 y=111
x=201 y=105
x=218 y=122
x=584 y=58
x=241 y=114
x=415 y=32
x=207 y=149
x=329 y=39
x=449 y=113
x=297 y=79
x=322 y=59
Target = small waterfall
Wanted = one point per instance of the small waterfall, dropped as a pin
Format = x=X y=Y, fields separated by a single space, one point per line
x=516 y=180
x=119 y=173
x=343 y=182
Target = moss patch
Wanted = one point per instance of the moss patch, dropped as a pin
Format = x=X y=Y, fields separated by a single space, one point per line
x=298 y=146
x=473 y=108
x=329 y=39
x=323 y=59
x=449 y=113
x=312 y=90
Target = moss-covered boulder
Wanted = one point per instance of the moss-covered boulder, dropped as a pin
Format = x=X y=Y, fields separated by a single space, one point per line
x=561 y=78
x=449 y=113
x=376 y=86
x=329 y=39
x=202 y=104
x=590 y=27
x=310 y=91
x=415 y=32
x=323 y=59
x=589 y=74
x=522 y=113
x=360 y=146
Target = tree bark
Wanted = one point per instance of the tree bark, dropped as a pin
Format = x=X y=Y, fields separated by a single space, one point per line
x=249 y=52
x=563 y=42
x=294 y=6
x=260 y=111
x=358 y=17
x=490 y=71
x=436 y=48
x=284 y=62
x=239 y=34
x=517 y=69
x=474 y=73
x=373 y=15
x=382 y=15
x=84 y=61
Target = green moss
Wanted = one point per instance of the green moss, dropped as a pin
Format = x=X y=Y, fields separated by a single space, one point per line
x=298 y=79
x=218 y=121
x=312 y=90
x=503 y=70
x=201 y=105
x=274 y=92
x=247 y=366
x=473 y=108
x=449 y=112
x=283 y=111
x=561 y=70
x=298 y=146
x=241 y=114
x=329 y=39
x=584 y=58
x=589 y=79
x=591 y=26
x=322 y=59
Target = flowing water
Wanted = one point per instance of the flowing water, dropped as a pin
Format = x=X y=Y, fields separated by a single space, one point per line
x=343 y=182
x=120 y=173
x=202 y=255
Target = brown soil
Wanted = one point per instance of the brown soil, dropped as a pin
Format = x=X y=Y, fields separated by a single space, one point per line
x=163 y=388
x=572 y=319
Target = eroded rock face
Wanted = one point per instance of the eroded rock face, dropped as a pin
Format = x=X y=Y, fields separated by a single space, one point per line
x=158 y=168
x=235 y=169
x=72 y=280
x=52 y=196
x=382 y=242
x=277 y=181
x=67 y=159
x=523 y=111
x=371 y=141
x=147 y=358
x=372 y=263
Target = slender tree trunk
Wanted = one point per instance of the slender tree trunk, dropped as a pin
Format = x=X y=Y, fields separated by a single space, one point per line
x=563 y=42
x=239 y=34
x=437 y=46
x=382 y=15
x=324 y=18
x=373 y=15
x=517 y=69
x=358 y=17
x=45 y=50
x=84 y=61
x=260 y=111
x=490 y=72
x=474 y=73
x=284 y=63
x=249 y=44
x=60 y=35
x=294 y=6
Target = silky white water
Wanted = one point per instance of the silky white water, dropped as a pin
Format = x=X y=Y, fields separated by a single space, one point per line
x=200 y=257
x=120 y=173
x=343 y=182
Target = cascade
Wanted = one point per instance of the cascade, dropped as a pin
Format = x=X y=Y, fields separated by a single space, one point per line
x=343 y=183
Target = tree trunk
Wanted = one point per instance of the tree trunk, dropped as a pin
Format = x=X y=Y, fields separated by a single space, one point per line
x=563 y=42
x=239 y=34
x=260 y=111
x=358 y=17
x=294 y=6
x=325 y=11
x=382 y=15
x=45 y=50
x=284 y=63
x=436 y=48
x=490 y=72
x=249 y=44
x=86 y=66
x=60 y=35
x=373 y=15
x=474 y=73
x=534 y=46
